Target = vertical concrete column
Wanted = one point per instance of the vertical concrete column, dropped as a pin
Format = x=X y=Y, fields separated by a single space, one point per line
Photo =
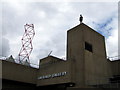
x=75 y=54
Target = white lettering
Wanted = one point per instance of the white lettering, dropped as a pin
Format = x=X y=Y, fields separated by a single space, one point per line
x=52 y=75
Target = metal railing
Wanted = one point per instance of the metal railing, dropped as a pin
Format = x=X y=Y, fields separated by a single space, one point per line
x=16 y=61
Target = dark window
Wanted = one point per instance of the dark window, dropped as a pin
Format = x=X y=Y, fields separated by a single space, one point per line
x=88 y=47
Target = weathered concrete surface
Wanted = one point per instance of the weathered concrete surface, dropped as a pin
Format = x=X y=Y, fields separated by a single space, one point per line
x=52 y=65
x=17 y=72
x=87 y=68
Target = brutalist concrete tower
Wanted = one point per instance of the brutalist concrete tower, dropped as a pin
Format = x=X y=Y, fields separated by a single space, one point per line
x=86 y=54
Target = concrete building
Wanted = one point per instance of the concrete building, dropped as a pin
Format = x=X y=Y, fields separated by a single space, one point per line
x=87 y=55
x=86 y=66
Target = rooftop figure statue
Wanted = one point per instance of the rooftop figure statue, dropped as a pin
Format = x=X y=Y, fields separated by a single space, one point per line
x=81 y=19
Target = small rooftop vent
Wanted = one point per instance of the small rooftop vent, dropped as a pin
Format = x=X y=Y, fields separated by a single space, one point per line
x=11 y=59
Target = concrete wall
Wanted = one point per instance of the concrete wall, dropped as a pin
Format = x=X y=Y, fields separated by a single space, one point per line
x=17 y=72
x=0 y=75
x=0 y=69
x=14 y=85
x=115 y=67
x=75 y=55
x=87 y=68
x=52 y=65
x=96 y=65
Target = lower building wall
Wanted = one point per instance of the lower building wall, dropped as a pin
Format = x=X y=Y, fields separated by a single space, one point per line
x=96 y=73
x=18 y=72
x=96 y=69
x=115 y=66
x=0 y=75
x=56 y=72
x=14 y=85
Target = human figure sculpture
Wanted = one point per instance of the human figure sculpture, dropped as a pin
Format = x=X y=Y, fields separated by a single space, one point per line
x=81 y=19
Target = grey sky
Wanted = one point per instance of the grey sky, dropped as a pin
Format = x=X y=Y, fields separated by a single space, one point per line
x=52 y=20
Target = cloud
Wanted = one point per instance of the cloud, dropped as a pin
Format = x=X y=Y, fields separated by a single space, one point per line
x=52 y=20
x=107 y=26
x=5 y=47
x=112 y=44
